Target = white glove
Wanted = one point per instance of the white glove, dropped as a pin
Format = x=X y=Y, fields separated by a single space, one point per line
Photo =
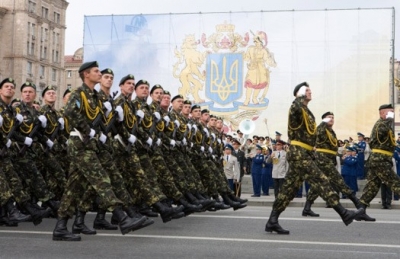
x=213 y=135
x=49 y=143
x=166 y=119
x=157 y=115
x=191 y=145
x=158 y=142
x=302 y=91
x=326 y=120
x=177 y=123
x=172 y=143
x=1 y=120
x=61 y=121
x=103 y=138
x=189 y=126
x=92 y=133
x=206 y=131
x=184 y=142
x=19 y=118
x=43 y=120
x=8 y=144
x=132 y=139
x=149 y=141
x=210 y=150
x=120 y=112
x=219 y=141
x=202 y=149
x=390 y=115
x=140 y=114
x=28 y=141
x=108 y=107
x=195 y=128
x=224 y=141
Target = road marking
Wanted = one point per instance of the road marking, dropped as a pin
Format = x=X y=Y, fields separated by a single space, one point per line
x=223 y=239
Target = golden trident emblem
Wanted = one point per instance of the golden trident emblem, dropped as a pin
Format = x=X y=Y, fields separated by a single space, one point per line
x=220 y=83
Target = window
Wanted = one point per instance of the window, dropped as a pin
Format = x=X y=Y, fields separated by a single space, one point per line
x=56 y=17
x=31 y=7
x=57 y=40
x=42 y=71
x=28 y=48
x=29 y=68
x=33 y=29
x=56 y=57
x=32 y=50
x=29 y=28
x=69 y=73
x=54 y=74
x=46 y=34
x=45 y=52
x=45 y=12
x=54 y=37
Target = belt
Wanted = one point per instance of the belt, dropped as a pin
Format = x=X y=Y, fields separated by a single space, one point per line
x=380 y=151
x=301 y=144
x=323 y=150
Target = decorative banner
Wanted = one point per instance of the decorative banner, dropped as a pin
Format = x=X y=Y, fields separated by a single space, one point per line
x=245 y=65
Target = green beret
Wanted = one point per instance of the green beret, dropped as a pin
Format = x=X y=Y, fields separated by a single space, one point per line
x=194 y=107
x=386 y=106
x=107 y=71
x=205 y=111
x=126 y=78
x=142 y=82
x=7 y=80
x=213 y=116
x=87 y=65
x=326 y=114
x=16 y=100
x=179 y=96
x=49 y=87
x=28 y=84
x=157 y=86
x=166 y=92
x=297 y=88
x=187 y=102
x=67 y=91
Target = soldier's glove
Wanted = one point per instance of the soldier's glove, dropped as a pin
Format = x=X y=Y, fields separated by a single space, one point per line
x=390 y=115
x=219 y=141
x=108 y=107
x=8 y=144
x=158 y=142
x=326 y=120
x=191 y=145
x=213 y=135
x=189 y=126
x=210 y=150
x=157 y=115
x=61 y=121
x=202 y=149
x=184 y=142
x=172 y=143
x=19 y=118
x=140 y=114
x=92 y=133
x=224 y=141
x=132 y=139
x=195 y=128
x=49 y=143
x=166 y=119
x=103 y=138
x=206 y=131
x=1 y=120
x=177 y=124
x=28 y=141
x=120 y=112
x=149 y=141
x=43 y=120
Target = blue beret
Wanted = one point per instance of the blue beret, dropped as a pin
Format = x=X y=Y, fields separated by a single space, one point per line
x=277 y=133
x=228 y=146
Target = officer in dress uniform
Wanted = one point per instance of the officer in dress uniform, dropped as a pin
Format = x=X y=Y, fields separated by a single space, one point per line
x=361 y=146
x=256 y=171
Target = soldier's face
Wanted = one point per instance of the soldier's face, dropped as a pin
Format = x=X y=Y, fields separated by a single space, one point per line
x=308 y=94
x=66 y=98
x=142 y=91
x=213 y=122
x=384 y=112
x=157 y=95
x=278 y=146
x=94 y=75
x=219 y=124
x=50 y=96
x=196 y=113
x=28 y=95
x=128 y=87
x=186 y=109
x=107 y=80
x=165 y=101
x=178 y=104
x=8 y=90
x=332 y=121
x=205 y=117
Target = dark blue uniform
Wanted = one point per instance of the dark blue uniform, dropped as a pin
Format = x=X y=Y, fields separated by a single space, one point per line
x=349 y=172
x=256 y=173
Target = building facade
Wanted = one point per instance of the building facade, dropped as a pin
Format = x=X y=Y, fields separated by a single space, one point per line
x=32 y=43
x=72 y=64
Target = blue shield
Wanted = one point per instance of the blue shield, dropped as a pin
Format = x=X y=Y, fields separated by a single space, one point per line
x=224 y=77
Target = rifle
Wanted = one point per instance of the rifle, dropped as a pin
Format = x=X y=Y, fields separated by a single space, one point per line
x=111 y=124
x=33 y=132
x=128 y=148
x=94 y=124
x=53 y=137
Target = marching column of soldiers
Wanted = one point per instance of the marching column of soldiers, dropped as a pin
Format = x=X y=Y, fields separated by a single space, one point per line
x=103 y=152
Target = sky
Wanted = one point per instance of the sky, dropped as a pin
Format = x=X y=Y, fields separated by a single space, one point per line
x=77 y=9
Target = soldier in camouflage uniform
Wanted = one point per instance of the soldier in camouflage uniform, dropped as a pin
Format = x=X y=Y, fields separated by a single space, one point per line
x=326 y=148
x=380 y=167
x=302 y=134
x=84 y=111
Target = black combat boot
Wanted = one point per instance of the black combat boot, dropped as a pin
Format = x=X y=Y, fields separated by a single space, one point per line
x=126 y=224
x=36 y=213
x=4 y=221
x=147 y=211
x=220 y=205
x=237 y=199
x=100 y=221
x=235 y=205
x=205 y=202
x=307 y=210
x=273 y=224
x=190 y=208
x=79 y=225
x=165 y=211
x=347 y=215
x=364 y=216
x=61 y=233
x=54 y=205
x=15 y=215
x=134 y=214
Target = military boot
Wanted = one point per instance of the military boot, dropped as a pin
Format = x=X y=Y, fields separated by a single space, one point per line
x=126 y=224
x=205 y=202
x=347 y=215
x=134 y=214
x=61 y=232
x=190 y=208
x=79 y=225
x=100 y=221
x=237 y=199
x=15 y=215
x=165 y=211
x=4 y=221
x=220 y=205
x=53 y=204
x=364 y=216
x=36 y=213
x=273 y=224
x=307 y=210
x=147 y=211
x=235 y=205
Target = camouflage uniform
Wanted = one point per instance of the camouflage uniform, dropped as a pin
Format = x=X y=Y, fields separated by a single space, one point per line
x=85 y=169
x=301 y=158
x=379 y=164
